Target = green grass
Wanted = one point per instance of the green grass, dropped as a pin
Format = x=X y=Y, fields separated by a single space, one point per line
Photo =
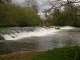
x=65 y=53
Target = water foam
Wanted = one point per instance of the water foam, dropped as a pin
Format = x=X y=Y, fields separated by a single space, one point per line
x=39 y=31
x=67 y=27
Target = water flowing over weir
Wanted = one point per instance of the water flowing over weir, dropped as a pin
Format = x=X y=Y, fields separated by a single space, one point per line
x=38 y=31
x=20 y=33
x=38 y=38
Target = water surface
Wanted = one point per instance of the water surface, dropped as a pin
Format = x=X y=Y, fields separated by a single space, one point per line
x=38 y=39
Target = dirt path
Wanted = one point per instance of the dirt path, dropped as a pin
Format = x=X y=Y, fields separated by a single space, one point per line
x=19 y=55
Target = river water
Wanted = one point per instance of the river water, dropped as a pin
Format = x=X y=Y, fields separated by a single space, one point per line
x=37 y=38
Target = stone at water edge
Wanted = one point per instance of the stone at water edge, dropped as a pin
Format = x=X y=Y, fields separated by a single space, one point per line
x=55 y=27
x=1 y=38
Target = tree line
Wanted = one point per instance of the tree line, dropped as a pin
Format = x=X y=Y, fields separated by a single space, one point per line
x=15 y=15
x=70 y=15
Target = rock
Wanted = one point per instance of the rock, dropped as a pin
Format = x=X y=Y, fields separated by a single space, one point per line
x=1 y=38
x=55 y=27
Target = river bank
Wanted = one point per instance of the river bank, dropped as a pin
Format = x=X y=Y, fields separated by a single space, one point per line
x=25 y=55
x=38 y=39
x=65 y=53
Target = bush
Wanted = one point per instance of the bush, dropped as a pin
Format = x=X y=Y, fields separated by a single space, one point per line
x=13 y=15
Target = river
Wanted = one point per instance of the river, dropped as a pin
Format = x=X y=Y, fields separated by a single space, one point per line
x=37 y=38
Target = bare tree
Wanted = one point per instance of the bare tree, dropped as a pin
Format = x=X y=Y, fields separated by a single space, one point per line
x=5 y=2
x=1 y=2
x=74 y=9
x=59 y=3
x=53 y=5
x=35 y=6
x=70 y=5
x=32 y=4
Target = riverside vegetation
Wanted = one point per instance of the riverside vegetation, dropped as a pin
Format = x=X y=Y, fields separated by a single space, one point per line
x=14 y=15
x=65 y=53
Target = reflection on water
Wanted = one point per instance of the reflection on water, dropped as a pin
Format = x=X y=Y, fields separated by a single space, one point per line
x=66 y=37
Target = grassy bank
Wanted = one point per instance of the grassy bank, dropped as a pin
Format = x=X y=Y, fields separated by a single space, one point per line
x=65 y=53
x=19 y=56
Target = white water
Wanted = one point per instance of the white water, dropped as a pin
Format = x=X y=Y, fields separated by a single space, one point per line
x=67 y=27
x=38 y=32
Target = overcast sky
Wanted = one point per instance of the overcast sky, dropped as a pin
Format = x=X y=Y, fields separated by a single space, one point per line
x=41 y=4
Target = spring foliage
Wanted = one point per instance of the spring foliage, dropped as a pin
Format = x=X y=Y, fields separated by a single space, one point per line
x=14 y=15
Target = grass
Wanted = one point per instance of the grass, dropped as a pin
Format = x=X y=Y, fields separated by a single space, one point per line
x=65 y=53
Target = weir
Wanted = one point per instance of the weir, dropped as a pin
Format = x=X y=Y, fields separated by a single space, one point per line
x=20 y=33
x=38 y=31
x=38 y=38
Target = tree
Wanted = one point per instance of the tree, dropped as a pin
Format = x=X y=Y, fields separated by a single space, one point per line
x=31 y=19
x=32 y=4
x=53 y=17
x=18 y=16
x=5 y=1
x=73 y=8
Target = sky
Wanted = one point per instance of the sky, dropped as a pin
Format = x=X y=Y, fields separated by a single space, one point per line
x=41 y=3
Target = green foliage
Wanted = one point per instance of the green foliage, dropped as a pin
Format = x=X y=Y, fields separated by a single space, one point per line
x=30 y=19
x=65 y=17
x=13 y=15
x=2 y=14
x=65 y=53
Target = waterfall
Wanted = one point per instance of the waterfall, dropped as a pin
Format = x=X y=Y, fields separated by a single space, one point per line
x=38 y=32
x=16 y=34
x=67 y=27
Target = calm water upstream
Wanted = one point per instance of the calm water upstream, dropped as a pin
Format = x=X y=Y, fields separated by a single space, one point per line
x=37 y=38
